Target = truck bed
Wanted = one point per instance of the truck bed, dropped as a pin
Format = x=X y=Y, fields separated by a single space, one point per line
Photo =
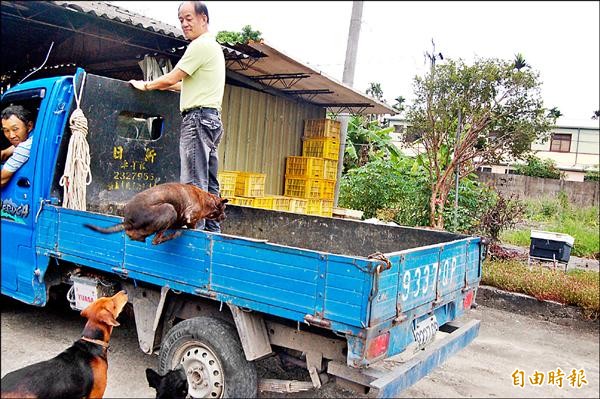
x=294 y=266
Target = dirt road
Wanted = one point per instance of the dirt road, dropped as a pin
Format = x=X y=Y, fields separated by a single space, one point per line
x=506 y=342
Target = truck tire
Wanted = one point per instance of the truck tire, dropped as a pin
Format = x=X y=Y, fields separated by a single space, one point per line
x=212 y=356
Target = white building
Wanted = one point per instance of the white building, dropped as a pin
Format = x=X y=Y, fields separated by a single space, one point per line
x=573 y=145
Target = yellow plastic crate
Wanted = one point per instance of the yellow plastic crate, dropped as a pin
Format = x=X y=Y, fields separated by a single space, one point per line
x=298 y=205
x=330 y=169
x=303 y=187
x=305 y=167
x=320 y=207
x=227 y=181
x=321 y=148
x=322 y=128
x=250 y=184
x=263 y=202
x=243 y=201
x=281 y=203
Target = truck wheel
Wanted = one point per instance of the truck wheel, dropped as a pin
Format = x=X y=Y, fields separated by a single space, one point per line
x=212 y=356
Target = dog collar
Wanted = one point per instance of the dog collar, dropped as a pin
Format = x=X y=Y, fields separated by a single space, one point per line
x=96 y=341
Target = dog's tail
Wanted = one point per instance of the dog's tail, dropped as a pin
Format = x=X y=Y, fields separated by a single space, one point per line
x=107 y=230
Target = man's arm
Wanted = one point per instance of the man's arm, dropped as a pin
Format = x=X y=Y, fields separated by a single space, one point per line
x=170 y=81
x=6 y=175
x=175 y=87
x=7 y=152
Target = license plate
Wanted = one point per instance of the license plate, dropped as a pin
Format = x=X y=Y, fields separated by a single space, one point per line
x=84 y=295
x=425 y=331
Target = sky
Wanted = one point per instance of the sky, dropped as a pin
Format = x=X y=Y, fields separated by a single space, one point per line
x=559 y=39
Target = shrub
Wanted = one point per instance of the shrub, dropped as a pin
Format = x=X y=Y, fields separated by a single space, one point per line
x=397 y=190
x=592 y=175
x=537 y=167
x=378 y=184
x=504 y=214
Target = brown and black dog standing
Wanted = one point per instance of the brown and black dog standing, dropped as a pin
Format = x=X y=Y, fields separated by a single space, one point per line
x=166 y=206
x=81 y=370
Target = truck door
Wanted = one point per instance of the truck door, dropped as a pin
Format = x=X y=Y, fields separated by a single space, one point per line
x=17 y=198
x=48 y=100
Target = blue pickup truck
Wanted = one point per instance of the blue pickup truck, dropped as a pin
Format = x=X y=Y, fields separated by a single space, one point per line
x=369 y=305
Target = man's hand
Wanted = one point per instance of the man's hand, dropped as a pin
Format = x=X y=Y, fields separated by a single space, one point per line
x=138 y=84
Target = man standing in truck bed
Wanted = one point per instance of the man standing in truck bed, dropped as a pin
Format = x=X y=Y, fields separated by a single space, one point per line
x=200 y=76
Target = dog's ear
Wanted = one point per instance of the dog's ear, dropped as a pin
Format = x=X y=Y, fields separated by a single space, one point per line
x=153 y=378
x=107 y=317
x=85 y=312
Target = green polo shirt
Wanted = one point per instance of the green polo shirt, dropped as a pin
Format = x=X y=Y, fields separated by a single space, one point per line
x=204 y=63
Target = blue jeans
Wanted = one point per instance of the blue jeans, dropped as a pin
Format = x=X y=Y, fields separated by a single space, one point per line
x=201 y=132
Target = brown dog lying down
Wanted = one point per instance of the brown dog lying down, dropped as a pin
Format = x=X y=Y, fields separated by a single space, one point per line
x=79 y=371
x=166 y=206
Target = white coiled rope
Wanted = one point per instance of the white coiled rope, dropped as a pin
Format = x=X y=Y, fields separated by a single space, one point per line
x=77 y=174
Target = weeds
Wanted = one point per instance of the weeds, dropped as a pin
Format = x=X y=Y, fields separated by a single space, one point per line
x=575 y=287
x=559 y=216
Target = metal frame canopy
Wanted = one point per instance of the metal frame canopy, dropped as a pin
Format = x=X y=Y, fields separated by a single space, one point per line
x=109 y=40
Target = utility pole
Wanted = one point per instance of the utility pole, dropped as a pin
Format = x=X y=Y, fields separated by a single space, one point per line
x=352 y=46
x=348 y=79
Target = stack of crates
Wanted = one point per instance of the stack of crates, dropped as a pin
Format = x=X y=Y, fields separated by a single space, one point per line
x=243 y=188
x=312 y=176
x=227 y=181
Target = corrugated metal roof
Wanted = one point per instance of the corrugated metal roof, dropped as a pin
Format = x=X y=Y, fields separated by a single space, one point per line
x=110 y=11
x=259 y=62
x=276 y=62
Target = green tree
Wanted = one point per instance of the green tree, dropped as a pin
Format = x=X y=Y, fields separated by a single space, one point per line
x=501 y=114
x=555 y=113
x=520 y=62
x=243 y=37
x=399 y=105
x=375 y=91
x=367 y=140
x=537 y=167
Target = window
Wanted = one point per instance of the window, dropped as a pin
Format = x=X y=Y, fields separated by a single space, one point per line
x=399 y=129
x=560 y=143
x=485 y=169
x=139 y=126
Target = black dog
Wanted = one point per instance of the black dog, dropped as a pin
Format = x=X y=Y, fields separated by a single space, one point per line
x=173 y=385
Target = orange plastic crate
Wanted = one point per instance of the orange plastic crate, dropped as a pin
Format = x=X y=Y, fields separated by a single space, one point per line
x=322 y=128
x=305 y=167
x=321 y=148
x=250 y=184
x=303 y=187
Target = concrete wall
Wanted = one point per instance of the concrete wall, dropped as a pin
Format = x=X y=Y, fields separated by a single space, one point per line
x=579 y=193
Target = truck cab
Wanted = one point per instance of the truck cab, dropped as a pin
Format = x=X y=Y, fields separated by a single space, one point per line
x=49 y=100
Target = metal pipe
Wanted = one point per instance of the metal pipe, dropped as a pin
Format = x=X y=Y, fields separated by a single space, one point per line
x=458 y=131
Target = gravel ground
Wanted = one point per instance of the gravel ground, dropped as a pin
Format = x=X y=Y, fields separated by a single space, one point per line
x=507 y=341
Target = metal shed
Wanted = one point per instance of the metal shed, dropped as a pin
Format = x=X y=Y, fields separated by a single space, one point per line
x=267 y=97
